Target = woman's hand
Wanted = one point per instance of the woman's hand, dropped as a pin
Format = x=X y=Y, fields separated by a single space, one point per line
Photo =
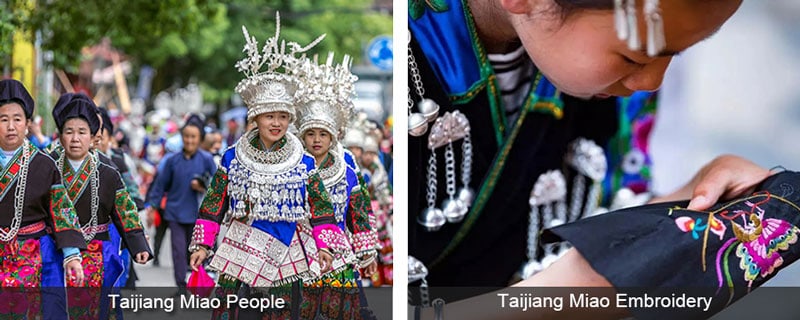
x=141 y=257
x=723 y=178
x=326 y=260
x=74 y=271
x=197 y=258
x=371 y=269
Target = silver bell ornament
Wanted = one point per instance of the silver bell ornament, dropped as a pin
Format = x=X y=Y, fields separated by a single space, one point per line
x=454 y=210
x=466 y=195
x=417 y=124
x=429 y=109
x=432 y=219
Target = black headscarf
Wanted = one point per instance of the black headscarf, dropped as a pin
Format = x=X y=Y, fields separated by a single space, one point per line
x=76 y=105
x=14 y=91
x=107 y=125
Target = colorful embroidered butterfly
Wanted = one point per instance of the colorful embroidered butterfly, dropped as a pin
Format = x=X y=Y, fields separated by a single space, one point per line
x=687 y=224
x=761 y=241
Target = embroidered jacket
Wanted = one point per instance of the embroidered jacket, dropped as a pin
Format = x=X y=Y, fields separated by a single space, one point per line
x=279 y=199
x=351 y=204
x=45 y=199
x=115 y=207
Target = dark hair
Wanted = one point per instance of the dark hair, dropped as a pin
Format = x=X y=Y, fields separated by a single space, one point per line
x=568 y=7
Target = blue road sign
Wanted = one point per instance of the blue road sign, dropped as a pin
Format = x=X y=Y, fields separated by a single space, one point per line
x=379 y=52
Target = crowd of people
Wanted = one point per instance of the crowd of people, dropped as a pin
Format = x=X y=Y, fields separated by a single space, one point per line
x=303 y=173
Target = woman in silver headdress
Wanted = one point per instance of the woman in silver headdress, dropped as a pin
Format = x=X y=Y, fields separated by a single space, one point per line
x=281 y=224
x=325 y=106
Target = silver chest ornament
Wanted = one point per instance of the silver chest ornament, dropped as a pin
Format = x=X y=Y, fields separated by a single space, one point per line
x=268 y=186
x=428 y=109
x=549 y=191
x=449 y=128
x=589 y=162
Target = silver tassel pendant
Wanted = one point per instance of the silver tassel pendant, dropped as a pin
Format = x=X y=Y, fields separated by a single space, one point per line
x=550 y=188
x=428 y=109
x=448 y=128
x=466 y=194
x=431 y=218
x=655 y=28
x=634 y=43
x=589 y=160
x=620 y=20
x=454 y=210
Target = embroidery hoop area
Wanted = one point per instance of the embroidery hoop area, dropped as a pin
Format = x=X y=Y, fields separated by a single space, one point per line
x=758 y=241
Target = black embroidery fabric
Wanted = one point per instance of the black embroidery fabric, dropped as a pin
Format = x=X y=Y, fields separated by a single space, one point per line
x=724 y=252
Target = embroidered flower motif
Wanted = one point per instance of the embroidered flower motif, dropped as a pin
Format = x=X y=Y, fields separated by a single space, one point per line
x=687 y=224
x=26 y=271
x=11 y=282
x=13 y=303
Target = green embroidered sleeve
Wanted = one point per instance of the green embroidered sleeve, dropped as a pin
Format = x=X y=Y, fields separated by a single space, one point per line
x=64 y=219
x=126 y=211
x=359 y=210
x=320 y=207
x=126 y=219
x=215 y=201
x=364 y=237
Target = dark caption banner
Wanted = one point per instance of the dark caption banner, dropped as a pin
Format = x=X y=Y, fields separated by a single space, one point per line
x=157 y=303
x=466 y=303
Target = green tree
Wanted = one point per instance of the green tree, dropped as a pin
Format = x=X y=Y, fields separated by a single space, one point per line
x=149 y=31
x=348 y=26
x=194 y=40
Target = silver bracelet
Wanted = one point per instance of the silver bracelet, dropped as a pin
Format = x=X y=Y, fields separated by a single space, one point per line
x=196 y=247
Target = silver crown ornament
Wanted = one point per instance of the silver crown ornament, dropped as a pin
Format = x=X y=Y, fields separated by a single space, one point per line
x=271 y=73
x=325 y=96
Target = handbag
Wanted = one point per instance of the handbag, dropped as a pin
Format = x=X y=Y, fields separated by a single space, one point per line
x=200 y=283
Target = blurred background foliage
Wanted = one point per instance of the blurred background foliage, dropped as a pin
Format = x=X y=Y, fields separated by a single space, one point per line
x=188 y=41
